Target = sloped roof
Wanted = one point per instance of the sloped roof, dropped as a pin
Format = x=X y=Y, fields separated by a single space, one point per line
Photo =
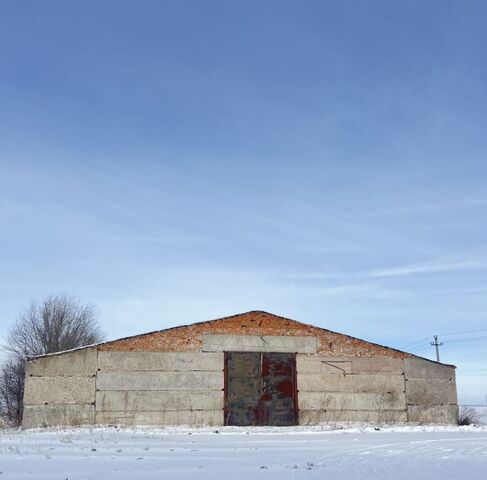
x=256 y=322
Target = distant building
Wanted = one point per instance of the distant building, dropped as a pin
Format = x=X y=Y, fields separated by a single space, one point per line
x=254 y=368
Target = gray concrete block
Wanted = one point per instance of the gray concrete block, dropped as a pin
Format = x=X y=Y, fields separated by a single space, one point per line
x=36 y=416
x=316 y=417
x=59 y=390
x=323 y=365
x=183 y=417
x=446 y=414
x=255 y=343
x=144 y=401
x=419 y=368
x=313 y=382
x=162 y=361
x=79 y=363
x=376 y=365
x=160 y=381
x=431 y=392
x=351 y=401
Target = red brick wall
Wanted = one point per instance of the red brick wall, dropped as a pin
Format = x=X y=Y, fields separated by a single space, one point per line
x=188 y=338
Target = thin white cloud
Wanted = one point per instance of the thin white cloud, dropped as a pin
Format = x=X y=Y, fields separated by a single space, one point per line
x=424 y=207
x=349 y=291
x=315 y=276
x=445 y=265
x=431 y=267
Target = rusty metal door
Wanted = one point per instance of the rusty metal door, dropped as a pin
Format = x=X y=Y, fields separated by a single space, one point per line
x=260 y=389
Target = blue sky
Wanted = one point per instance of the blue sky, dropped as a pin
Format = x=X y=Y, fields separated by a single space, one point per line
x=174 y=162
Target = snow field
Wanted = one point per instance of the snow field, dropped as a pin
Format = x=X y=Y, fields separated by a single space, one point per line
x=411 y=453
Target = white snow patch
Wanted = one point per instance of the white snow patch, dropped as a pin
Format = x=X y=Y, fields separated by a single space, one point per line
x=231 y=453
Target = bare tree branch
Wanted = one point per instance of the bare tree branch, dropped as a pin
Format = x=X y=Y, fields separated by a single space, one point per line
x=56 y=323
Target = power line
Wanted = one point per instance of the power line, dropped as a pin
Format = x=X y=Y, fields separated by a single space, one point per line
x=464 y=332
x=420 y=347
x=413 y=345
x=469 y=339
x=410 y=345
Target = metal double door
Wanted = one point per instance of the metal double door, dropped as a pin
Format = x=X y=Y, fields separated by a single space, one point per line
x=260 y=389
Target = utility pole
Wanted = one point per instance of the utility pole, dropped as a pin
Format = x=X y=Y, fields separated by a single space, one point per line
x=437 y=344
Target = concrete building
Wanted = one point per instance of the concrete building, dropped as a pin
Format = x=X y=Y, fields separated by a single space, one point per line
x=249 y=369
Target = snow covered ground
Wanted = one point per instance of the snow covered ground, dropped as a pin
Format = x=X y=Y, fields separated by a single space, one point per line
x=411 y=453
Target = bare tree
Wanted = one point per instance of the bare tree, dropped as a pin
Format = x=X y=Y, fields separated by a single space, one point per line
x=56 y=323
x=468 y=416
x=12 y=375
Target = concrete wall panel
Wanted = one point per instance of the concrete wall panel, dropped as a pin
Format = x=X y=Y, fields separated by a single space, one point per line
x=79 y=363
x=419 y=368
x=317 y=417
x=162 y=361
x=57 y=415
x=435 y=414
x=182 y=417
x=356 y=365
x=375 y=365
x=160 y=381
x=258 y=343
x=59 y=390
x=351 y=401
x=143 y=401
x=323 y=365
x=312 y=382
x=160 y=388
x=431 y=392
